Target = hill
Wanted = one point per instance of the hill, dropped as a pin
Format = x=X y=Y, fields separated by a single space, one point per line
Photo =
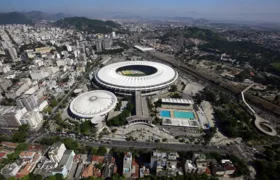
x=14 y=18
x=202 y=34
x=28 y=17
x=89 y=25
x=38 y=15
x=260 y=57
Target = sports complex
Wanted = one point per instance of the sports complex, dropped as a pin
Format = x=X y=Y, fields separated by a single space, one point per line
x=130 y=76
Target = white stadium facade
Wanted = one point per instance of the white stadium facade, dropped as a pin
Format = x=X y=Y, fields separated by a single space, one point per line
x=93 y=106
x=130 y=76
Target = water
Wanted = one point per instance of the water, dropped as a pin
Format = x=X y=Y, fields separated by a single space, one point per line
x=165 y=113
x=184 y=115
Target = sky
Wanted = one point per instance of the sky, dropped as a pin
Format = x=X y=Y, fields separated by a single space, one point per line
x=242 y=10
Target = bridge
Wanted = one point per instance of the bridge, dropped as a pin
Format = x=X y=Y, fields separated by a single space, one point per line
x=260 y=123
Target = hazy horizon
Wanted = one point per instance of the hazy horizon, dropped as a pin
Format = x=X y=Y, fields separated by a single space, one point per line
x=227 y=10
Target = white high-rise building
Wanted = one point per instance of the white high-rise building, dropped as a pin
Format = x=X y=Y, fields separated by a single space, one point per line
x=10 y=116
x=12 y=53
x=56 y=152
x=99 y=46
x=32 y=118
x=107 y=43
x=82 y=57
x=29 y=101
x=77 y=43
x=69 y=48
x=113 y=34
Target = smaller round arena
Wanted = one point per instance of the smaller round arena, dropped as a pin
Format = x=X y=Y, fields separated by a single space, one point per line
x=93 y=104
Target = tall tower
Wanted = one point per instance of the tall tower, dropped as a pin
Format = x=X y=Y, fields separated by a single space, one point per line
x=12 y=53
x=107 y=43
x=99 y=46
x=113 y=34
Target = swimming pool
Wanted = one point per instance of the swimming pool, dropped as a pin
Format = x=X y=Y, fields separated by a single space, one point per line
x=165 y=113
x=184 y=115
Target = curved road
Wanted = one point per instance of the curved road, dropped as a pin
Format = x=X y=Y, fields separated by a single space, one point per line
x=259 y=122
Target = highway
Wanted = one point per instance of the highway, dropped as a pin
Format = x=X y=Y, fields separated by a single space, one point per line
x=259 y=122
x=153 y=145
x=149 y=145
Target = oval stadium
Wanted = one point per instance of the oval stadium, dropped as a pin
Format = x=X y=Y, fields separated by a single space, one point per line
x=130 y=76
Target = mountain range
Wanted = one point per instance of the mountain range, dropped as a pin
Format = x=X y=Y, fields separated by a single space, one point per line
x=29 y=17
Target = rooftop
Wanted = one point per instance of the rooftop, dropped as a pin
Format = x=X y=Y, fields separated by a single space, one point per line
x=93 y=103
x=67 y=157
x=97 y=159
x=88 y=171
x=177 y=101
x=9 y=144
x=9 y=109
x=26 y=154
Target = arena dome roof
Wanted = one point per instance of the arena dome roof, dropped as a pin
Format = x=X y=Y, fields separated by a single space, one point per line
x=93 y=103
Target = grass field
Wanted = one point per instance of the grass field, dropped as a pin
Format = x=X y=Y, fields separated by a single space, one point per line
x=132 y=73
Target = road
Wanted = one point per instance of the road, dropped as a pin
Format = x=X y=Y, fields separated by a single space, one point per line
x=151 y=145
x=259 y=122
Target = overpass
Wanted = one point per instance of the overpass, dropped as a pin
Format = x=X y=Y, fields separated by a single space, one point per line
x=259 y=122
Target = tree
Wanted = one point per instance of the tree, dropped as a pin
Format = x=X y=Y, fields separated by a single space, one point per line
x=55 y=177
x=270 y=154
x=224 y=99
x=121 y=118
x=157 y=103
x=218 y=68
x=117 y=177
x=210 y=133
x=85 y=127
x=21 y=134
x=32 y=176
x=241 y=76
x=101 y=151
x=173 y=88
x=175 y=95
x=22 y=146
x=50 y=141
x=210 y=96
x=157 y=140
x=70 y=144
x=53 y=102
x=48 y=110
x=93 y=151
x=99 y=166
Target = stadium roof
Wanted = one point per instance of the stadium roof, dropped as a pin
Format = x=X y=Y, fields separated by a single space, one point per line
x=93 y=103
x=109 y=77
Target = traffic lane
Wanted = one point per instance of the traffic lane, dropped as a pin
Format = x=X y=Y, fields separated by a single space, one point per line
x=152 y=145
x=143 y=145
